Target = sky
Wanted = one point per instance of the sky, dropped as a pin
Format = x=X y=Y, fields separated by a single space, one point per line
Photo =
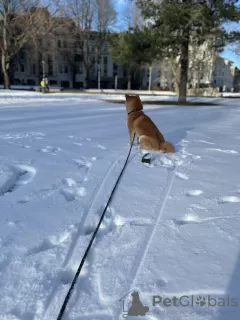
x=228 y=52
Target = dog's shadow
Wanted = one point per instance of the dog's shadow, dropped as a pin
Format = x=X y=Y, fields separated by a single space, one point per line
x=176 y=136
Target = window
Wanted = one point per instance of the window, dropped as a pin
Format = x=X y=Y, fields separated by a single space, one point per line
x=93 y=71
x=105 y=49
x=59 y=43
x=105 y=66
x=50 y=67
x=63 y=68
x=53 y=83
x=22 y=67
x=22 y=55
x=79 y=67
x=31 y=82
x=64 y=44
x=15 y=67
x=33 y=68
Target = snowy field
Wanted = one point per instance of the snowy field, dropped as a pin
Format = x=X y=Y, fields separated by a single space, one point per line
x=172 y=231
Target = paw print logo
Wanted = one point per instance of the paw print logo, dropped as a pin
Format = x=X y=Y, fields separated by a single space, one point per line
x=201 y=301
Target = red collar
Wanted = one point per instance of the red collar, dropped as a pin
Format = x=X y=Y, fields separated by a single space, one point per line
x=135 y=110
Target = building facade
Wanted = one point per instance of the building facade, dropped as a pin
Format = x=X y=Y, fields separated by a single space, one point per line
x=206 y=70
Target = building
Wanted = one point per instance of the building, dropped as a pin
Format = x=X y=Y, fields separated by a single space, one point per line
x=64 y=67
x=224 y=74
x=206 y=70
x=73 y=59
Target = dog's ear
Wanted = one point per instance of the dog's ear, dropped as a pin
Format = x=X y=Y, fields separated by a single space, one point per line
x=127 y=96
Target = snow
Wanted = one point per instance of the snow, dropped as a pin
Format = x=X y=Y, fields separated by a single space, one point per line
x=172 y=229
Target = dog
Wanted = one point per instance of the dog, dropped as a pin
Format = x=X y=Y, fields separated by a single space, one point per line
x=150 y=138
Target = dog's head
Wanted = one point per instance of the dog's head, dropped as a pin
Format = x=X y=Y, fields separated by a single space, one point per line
x=133 y=102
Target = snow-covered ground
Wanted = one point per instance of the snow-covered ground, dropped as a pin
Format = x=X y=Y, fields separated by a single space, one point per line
x=172 y=229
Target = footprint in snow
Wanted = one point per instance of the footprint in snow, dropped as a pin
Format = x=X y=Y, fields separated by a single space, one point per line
x=51 y=242
x=114 y=222
x=100 y=146
x=51 y=150
x=78 y=144
x=84 y=165
x=181 y=176
x=194 y=193
x=19 y=176
x=229 y=199
x=66 y=275
x=188 y=219
x=193 y=218
x=70 y=190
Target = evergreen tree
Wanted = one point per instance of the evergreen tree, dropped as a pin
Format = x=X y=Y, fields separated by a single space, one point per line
x=176 y=24
x=131 y=50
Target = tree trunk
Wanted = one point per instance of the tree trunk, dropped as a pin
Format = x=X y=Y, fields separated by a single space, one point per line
x=87 y=77
x=129 y=82
x=74 y=78
x=5 y=69
x=184 y=59
x=74 y=72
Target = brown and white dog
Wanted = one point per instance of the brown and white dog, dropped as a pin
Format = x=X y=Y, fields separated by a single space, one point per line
x=150 y=137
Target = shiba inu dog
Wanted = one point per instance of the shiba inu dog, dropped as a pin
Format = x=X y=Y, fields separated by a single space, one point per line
x=150 y=138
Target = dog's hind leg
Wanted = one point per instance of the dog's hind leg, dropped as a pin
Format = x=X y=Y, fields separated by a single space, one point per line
x=148 y=143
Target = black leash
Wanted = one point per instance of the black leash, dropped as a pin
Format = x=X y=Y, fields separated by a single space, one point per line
x=68 y=296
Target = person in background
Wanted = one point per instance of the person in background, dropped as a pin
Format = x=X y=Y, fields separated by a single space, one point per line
x=42 y=84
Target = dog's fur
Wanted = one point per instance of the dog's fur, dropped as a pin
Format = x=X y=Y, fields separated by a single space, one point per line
x=150 y=137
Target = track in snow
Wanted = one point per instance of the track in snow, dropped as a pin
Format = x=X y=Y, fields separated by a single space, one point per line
x=84 y=230
x=20 y=175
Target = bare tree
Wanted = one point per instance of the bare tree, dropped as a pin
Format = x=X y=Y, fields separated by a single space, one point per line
x=94 y=20
x=22 y=24
x=131 y=15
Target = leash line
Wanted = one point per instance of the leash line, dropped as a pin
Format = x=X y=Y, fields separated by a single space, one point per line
x=70 y=291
